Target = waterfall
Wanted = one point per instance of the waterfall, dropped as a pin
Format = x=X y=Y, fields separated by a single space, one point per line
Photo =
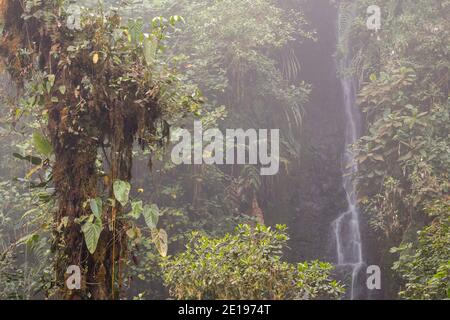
x=346 y=228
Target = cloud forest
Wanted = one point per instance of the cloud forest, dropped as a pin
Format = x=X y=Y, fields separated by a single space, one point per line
x=227 y=150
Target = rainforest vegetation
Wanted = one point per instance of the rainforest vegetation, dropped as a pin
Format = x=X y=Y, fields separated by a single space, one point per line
x=93 y=97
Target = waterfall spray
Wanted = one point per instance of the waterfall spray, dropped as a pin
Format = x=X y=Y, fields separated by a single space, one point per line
x=346 y=227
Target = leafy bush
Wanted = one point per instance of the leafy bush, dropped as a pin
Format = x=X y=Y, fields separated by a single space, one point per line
x=246 y=265
x=404 y=155
x=425 y=267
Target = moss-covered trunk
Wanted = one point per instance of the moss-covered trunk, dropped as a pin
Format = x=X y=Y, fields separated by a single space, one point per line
x=74 y=170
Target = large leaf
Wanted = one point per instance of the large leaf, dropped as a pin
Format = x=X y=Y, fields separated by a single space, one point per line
x=136 y=209
x=122 y=191
x=33 y=160
x=151 y=215
x=150 y=49
x=42 y=145
x=159 y=238
x=96 y=207
x=92 y=231
x=135 y=29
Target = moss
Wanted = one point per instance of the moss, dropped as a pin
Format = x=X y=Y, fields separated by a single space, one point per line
x=92 y=105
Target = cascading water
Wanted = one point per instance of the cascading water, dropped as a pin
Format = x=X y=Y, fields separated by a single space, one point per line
x=346 y=227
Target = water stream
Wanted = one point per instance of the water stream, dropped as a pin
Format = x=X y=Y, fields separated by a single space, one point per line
x=346 y=227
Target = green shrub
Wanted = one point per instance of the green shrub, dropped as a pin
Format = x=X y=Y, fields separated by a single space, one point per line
x=425 y=266
x=246 y=265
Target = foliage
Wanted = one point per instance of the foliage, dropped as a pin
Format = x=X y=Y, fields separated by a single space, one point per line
x=94 y=87
x=246 y=265
x=236 y=55
x=245 y=65
x=425 y=267
x=243 y=58
x=93 y=82
x=25 y=223
x=404 y=156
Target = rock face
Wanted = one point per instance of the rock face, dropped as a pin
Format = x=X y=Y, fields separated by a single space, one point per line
x=320 y=195
x=315 y=196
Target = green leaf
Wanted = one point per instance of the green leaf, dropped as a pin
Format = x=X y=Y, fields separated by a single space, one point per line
x=151 y=215
x=175 y=19
x=62 y=89
x=51 y=80
x=160 y=240
x=373 y=77
x=150 y=49
x=96 y=207
x=92 y=233
x=135 y=29
x=136 y=209
x=122 y=191
x=33 y=160
x=42 y=145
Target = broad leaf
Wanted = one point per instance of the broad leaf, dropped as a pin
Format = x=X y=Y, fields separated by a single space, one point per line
x=122 y=191
x=42 y=145
x=33 y=160
x=160 y=240
x=150 y=49
x=135 y=29
x=136 y=209
x=62 y=89
x=151 y=215
x=92 y=233
x=96 y=207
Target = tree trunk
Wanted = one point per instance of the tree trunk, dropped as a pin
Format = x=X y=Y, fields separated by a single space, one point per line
x=74 y=170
